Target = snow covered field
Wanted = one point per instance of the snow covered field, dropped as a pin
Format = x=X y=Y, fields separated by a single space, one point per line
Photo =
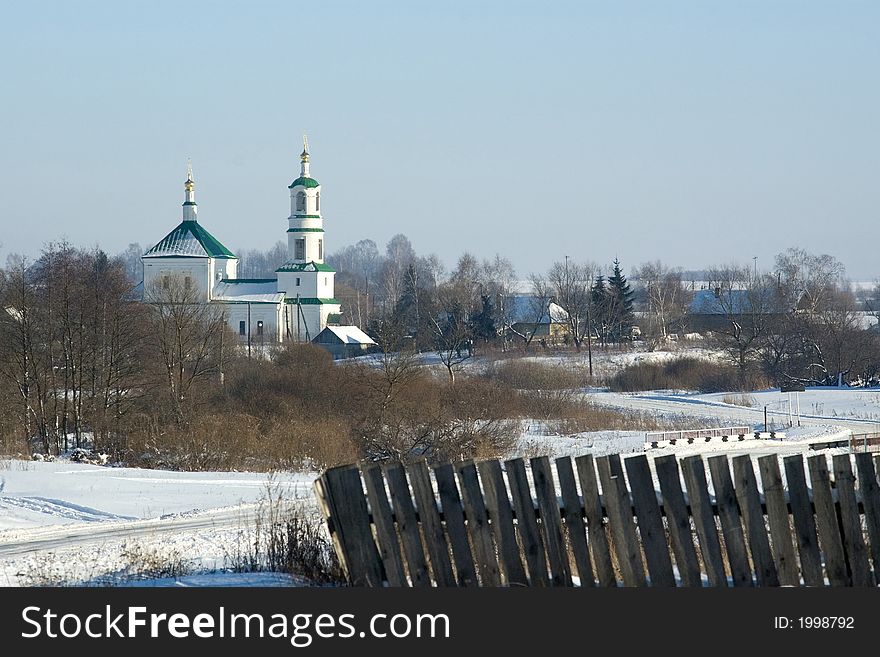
x=68 y=522
x=65 y=521
x=38 y=493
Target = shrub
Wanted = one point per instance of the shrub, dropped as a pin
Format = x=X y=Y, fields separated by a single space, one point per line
x=524 y=374
x=685 y=373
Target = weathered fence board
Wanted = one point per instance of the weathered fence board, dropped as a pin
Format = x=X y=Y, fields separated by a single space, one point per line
x=850 y=522
x=527 y=523
x=341 y=498
x=731 y=524
x=826 y=521
x=478 y=525
x=498 y=504
x=469 y=524
x=870 y=492
x=804 y=522
x=756 y=531
x=389 y=545
x=597 y=532
x=778 y=518
x=453 y=517
x=551 y=522
x=574 y=521
x=678 y=520
x=650 y=521
x=408 y=526
x=620 y=519
x=704 y=520
x=432 y=525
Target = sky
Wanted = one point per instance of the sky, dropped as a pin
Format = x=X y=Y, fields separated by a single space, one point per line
x=696 y=133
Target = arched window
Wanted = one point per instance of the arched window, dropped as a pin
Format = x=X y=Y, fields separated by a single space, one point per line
x=317 y=201
x=300 y=201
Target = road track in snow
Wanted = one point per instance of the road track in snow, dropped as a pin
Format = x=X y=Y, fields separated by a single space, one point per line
x=19 y=542
x=713 y=411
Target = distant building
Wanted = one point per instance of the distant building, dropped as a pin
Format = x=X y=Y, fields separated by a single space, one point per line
x=295 y=305
x=529 y=315
x=344 y=341
x=713 y=309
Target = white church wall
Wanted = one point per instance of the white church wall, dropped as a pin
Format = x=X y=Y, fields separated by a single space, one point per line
x=223 y=268
x=268 y=313
x=307 y=287
x=306 y=323
x=197 y=269
x=325 y=285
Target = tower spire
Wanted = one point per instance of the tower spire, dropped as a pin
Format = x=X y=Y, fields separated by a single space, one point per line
x=190 y=209
x=304 y=158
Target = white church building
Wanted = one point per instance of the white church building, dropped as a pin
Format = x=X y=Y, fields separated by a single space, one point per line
x=296 y=305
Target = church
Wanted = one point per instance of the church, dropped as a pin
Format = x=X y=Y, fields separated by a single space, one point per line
x=297 y=304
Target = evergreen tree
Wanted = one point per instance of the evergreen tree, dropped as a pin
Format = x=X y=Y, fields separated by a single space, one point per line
x=600 y=306
x=483 y=322
x=620 y=297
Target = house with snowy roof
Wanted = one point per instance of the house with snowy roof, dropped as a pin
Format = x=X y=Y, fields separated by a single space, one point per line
x=344 y=341
x=297 y=304
x=714 y=309
x=535 y=317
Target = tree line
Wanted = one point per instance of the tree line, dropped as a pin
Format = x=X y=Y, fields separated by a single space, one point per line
x=87 y=357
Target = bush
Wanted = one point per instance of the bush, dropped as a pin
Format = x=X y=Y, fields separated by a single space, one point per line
x=522 y=374
x=685 y=373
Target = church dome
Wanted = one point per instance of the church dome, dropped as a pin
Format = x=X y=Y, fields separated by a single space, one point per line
x=303 y=181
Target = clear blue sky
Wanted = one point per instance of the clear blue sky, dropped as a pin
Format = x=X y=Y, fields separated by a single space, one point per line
x=695 y=132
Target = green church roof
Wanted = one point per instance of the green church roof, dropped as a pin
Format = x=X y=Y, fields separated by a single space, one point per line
x=305 y=182
x=189 y=238
x=305 y=266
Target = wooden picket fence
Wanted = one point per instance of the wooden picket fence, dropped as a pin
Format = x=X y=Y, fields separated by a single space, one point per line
x=494 y=524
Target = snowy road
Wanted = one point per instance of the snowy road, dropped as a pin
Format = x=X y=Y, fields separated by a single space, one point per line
x=19 y=542
x=716 y=412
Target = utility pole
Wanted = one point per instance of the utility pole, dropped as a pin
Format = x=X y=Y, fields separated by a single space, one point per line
x=249 y=329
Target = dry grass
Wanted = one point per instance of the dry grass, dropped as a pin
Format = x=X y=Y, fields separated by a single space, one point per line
x=135 y=560
x=287 y=537
x=739 y=399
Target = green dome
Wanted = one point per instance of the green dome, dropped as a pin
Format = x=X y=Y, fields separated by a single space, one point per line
x=304 y=182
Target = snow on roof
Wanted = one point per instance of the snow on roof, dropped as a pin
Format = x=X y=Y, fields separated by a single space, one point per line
x=189 y=238
x=735 y=302
x=254 y=290
x=350 y=334
x=523 y=309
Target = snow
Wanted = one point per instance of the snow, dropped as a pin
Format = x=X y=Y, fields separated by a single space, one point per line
x=860 y=404
x=221 y=579
x=827 y=414
x=71 y=522
x=39 y=493
x=350 y=335
x=252 y=290
x=88 y=524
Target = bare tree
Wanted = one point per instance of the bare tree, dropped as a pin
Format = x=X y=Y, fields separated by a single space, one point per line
x=453 y=337
x=24 y=362
x=570 y=283
x=809 y=281
x=186 y=336
x=665 y=300
x=746 y=304
x=524 y=316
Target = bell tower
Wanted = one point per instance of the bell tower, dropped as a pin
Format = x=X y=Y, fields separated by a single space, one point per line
x=305 y=233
